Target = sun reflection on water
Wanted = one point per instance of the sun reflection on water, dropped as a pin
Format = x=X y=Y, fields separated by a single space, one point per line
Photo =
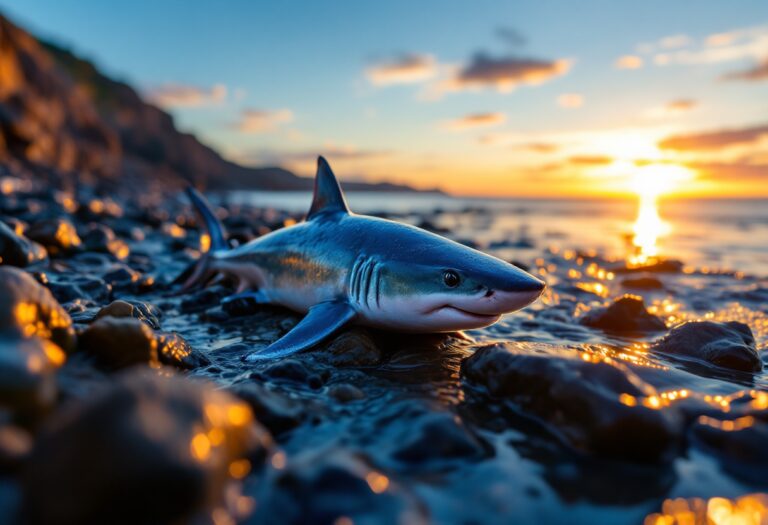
x=650 y=182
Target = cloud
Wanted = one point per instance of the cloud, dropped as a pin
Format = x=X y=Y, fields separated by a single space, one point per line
x=541 y=147
x=629 y=62
x=503 y=73
x=404 y=69
x=725 y=171
x=758 y=72
x=681 y=104
x=179 y=95
x=673 y=108
x=675 y=41
x=590 y=160
x=570 y=100
x=714 y=140
x=475 y=120
x=739 y=44
x=261 y=121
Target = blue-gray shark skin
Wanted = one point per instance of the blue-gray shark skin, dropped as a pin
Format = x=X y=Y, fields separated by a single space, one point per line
x=341 y=268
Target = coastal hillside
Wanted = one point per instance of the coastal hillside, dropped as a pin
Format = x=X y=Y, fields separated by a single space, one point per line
x=60 y=117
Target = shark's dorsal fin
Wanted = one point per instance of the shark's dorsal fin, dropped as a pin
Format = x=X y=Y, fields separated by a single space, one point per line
x=328 y=197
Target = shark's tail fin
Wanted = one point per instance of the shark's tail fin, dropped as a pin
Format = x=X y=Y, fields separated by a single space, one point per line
x=203 y=270
x=212 y=223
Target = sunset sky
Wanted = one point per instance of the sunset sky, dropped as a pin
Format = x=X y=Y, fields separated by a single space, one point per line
x=547 y=98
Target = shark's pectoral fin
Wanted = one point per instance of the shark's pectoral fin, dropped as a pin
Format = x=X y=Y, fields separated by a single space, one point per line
x=321 y=322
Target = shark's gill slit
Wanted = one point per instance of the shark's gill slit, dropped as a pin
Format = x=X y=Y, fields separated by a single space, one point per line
x=354 y=276
x=368 y=280
x=377 y=285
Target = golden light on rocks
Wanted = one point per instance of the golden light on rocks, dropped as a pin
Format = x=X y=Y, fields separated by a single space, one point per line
x=751 y=509
x=378 y=482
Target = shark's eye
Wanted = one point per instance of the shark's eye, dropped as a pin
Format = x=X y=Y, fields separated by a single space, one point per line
x=451 y=279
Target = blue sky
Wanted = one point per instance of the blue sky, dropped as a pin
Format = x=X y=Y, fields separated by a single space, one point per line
x=278 y=82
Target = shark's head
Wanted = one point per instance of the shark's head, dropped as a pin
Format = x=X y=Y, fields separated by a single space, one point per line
x=409 y=279
x=444 y=286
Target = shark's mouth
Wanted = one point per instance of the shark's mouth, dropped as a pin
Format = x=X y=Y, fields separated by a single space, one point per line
x=467 y=313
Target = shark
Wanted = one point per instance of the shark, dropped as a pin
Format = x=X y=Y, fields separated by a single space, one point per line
x=339 y=268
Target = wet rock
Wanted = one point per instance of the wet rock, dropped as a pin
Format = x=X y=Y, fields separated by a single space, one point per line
x=158 y=449
x=626 y=315
x=27 y=381
x=352 y=348
x=59 y=236
x=332 y=487
x=174 y=350
x=344 y=393
x=28 y=309
x=17 y=250
x=728 y=345
x=595 y=406
x=144 y=312
x=643 y=283
x=101 y=238
x=739 y=444
x=288 y=370
x=438 y=437
x=81 y=287
x=203 y=300
x=121 y=277
x=116 y=343
x=276 y=411
x=655 y=266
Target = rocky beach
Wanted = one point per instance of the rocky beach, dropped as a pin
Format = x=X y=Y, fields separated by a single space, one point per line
x=634 y=391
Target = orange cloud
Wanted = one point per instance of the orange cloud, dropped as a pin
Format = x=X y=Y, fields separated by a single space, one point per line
x=475 y=120
x=541 y=147
x=629 y=62
x=504 y=73
x=730 y=171
x=714 y=140
x=406 y=69
x=590 y=160
x=260 y=121
x=672 y=108
x=682 y=104
x=570 y=100
x=753 y=74
x=178 y=95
